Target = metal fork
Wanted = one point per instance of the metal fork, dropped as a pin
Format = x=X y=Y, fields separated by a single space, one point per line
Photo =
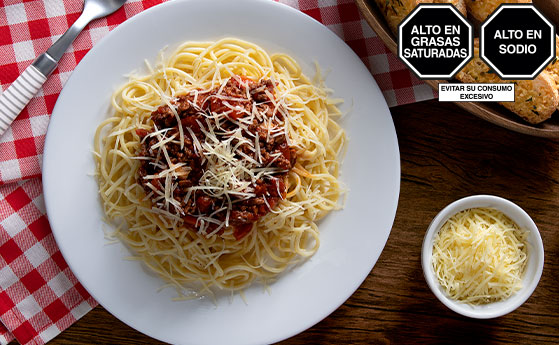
x=16 y=97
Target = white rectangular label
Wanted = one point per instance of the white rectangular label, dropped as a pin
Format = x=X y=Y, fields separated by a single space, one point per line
x=459 y=92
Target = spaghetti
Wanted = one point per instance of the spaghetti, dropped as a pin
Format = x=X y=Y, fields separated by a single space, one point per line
x=186 y=254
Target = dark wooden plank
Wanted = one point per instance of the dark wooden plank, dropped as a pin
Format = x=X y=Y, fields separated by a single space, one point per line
x=446 y=154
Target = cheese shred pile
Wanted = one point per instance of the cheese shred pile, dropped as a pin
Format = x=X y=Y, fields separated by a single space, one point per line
x=479 y=256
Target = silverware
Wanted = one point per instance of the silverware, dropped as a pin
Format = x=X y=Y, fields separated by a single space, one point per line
x=16 y=97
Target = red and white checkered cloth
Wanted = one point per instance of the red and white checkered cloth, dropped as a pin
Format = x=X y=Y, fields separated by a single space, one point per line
x=39 y=296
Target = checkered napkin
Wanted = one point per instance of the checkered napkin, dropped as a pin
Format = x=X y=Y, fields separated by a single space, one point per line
x=39 y=296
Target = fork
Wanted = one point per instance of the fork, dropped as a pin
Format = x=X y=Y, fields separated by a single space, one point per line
x=24 y=88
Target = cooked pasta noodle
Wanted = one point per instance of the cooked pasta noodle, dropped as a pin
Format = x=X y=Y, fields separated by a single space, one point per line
x=194 y=261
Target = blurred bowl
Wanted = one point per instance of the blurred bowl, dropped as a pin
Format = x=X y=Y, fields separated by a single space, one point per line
x=534 y=265
x=491 y=112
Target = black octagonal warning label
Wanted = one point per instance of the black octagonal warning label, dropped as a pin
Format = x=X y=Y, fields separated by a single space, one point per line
x=435 y=41
x=517 y=41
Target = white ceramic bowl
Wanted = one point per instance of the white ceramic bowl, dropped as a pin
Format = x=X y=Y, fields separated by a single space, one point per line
x=532 y=272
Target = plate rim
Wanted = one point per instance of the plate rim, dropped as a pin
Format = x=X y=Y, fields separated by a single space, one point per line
x=77 y=273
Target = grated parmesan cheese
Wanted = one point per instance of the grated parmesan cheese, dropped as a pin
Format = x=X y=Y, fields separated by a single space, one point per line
x=479 y=256
x=229 y=172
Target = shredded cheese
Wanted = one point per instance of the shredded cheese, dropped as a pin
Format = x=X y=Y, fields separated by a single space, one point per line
x=229 y=171
x=479 y=256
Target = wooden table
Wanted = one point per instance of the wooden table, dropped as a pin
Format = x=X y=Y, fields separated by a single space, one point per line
x=446 y=154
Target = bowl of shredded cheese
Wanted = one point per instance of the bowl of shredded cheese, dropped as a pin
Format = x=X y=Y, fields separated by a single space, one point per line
x=482 y=256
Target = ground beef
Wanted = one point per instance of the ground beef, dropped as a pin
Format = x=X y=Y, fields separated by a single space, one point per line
x=233 y=101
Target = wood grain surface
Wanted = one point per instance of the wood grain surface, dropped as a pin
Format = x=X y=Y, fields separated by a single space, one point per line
x=446 y=154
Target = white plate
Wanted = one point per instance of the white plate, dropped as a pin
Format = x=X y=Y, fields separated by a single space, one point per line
x=351 y=239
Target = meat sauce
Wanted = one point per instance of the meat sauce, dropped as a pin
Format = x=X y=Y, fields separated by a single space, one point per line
x=238 y=100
